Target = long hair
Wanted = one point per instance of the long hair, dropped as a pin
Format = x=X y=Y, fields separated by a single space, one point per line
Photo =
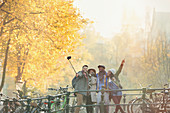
x=111 y=75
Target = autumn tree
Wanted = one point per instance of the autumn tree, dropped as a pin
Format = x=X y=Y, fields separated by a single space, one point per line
x=42 y=34
x=155 y=62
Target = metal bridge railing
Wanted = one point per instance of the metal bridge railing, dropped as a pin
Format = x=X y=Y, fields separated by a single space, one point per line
x=144 y=92
x=67 y=107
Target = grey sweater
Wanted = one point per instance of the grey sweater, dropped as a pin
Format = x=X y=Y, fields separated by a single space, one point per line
x=82 y=83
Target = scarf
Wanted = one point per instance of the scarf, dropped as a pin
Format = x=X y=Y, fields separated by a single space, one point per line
x=101 y=75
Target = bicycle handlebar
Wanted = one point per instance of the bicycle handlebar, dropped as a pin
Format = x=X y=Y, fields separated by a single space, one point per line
x=52 y=89
x=1 y=94
x=60 y=89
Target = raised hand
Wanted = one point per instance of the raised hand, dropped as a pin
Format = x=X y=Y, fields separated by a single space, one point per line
x=77 y=75
x=123 y=61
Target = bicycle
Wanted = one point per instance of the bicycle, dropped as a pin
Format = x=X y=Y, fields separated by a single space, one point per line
x=129 y=106
x=141 y=104
x=58 y=105
x=9 y=104
x=161 y=100
x=32 y=107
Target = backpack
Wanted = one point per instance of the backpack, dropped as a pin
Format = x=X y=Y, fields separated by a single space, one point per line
x=74 y=80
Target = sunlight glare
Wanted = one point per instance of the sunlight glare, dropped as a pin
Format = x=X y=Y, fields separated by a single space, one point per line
x=108 y=14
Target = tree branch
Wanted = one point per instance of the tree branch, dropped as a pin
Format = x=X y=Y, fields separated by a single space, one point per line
x=26 y=53
x=9 y=21
x=2 y=4
x=5 y=64
x=36 y=12
x=18 y=19
x=3 y=24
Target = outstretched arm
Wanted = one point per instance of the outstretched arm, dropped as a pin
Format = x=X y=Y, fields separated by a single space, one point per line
x=120 y=68
x=79 y=74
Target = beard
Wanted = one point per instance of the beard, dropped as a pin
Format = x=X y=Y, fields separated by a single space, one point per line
x=101 y=75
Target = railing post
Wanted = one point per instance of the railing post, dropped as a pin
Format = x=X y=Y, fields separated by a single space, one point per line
x=28 y=105
x=124 y=101
x=49 y=103
x=6 y=105
x=143 y=99
x=102 y=108
x=67 y=104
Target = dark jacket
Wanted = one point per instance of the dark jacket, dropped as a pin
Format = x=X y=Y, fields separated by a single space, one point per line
x=81 y=83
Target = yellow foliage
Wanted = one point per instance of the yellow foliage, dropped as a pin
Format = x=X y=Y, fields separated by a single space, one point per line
x=43 y=33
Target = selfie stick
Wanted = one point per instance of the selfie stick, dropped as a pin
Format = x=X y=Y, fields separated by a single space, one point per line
x=68 y=58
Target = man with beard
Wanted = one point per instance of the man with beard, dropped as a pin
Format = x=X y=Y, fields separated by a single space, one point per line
x=102 y=81
x=81 y=83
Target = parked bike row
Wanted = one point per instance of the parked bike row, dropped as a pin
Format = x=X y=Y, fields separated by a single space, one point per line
x=26 y=104
x=149 y=101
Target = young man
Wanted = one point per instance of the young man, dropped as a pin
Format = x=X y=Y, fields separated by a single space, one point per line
x=81 y=83
x=102 y=82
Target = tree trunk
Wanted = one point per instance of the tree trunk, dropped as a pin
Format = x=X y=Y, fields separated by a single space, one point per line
x=5 y=64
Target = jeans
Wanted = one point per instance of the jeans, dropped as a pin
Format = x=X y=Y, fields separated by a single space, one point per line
x=106 y=101
x=89 y=109
x=79 y=102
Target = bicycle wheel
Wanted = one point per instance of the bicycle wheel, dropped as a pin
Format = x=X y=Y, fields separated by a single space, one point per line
x=74 y=103
x=43 y=108
x=19 y=110
x=2 y=110
x=167 y=106
x=60 y=105
x=138 y=106
x=56 y=107
x=129 y=106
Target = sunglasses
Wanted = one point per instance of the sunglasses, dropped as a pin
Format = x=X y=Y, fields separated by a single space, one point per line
x=85 y=68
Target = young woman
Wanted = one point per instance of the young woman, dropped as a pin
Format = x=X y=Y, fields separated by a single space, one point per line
x=92 y=83
x=91 y=97
x=114 y=83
